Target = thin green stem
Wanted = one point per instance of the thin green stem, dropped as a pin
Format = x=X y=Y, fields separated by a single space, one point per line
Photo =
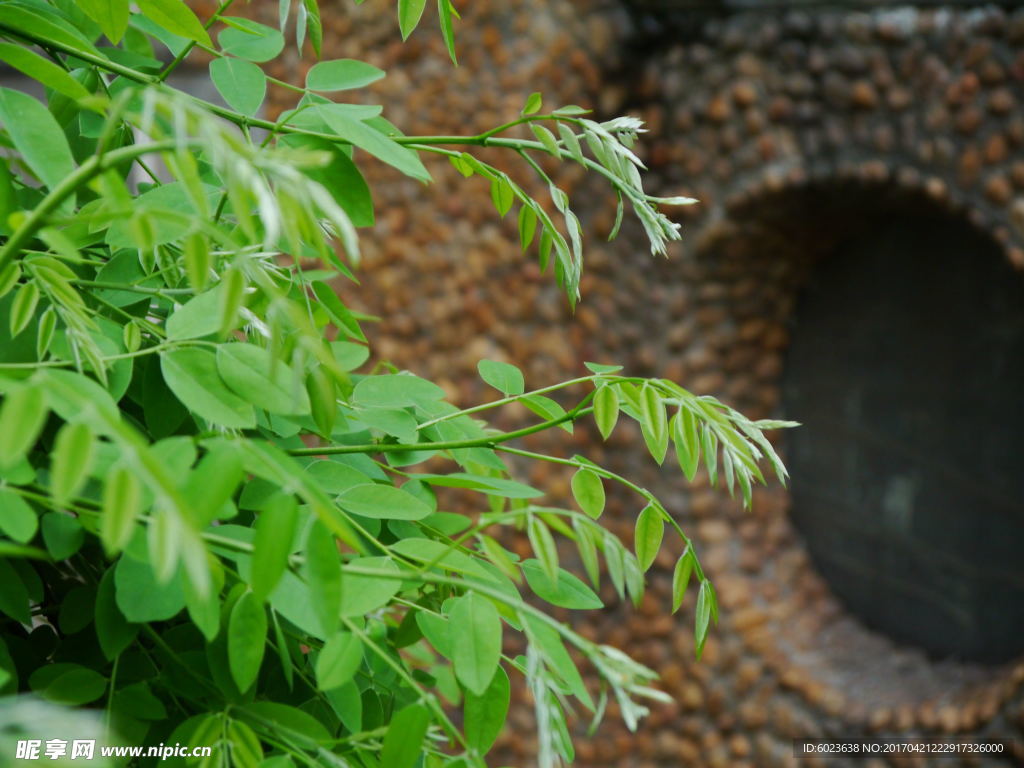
x=504 y=401
x=609 y=475
x=91 y=168
x=447 y=445
x=192 y=43
x=134 y=288
x=403 y=673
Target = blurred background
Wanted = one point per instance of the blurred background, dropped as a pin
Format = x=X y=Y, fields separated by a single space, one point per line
x=854 y=264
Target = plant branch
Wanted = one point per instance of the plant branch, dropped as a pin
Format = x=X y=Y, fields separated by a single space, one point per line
x=447 y=445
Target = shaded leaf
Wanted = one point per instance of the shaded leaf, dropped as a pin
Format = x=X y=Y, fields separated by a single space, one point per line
x=265 y=382
x=242 y=84
x=606 y=410
x=403 y=742
x=476 y=646
x=17 y=519
x=484 y=715
x=175 y=17
x=567 y=592
x=588 y=490
x=338 y=661
x=504 y=377
x=247 y=640
x=250 y=40
x=648 y=534
x=191 y=374
x=409 y=14
x=681 y=578
x=38 y=138
x=341 y=75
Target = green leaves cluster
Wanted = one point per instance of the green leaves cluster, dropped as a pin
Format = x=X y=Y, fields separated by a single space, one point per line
x=218 y=522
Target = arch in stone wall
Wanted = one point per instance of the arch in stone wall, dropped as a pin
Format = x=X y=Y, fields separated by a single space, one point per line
x=758 y=262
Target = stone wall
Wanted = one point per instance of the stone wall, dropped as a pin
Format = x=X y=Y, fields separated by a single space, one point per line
x=794 y=129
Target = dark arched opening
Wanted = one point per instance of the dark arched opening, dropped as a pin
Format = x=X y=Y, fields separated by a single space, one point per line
x=906 y=367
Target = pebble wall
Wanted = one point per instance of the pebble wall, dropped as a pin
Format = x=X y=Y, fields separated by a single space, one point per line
x=794 y=129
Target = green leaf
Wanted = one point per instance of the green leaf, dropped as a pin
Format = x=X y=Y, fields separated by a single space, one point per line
x=476 y=646
x=245 y=746
x=164 y=214
x=376 y=143
x=11 y=274
x=364 y=594
x=23 y=308
x=409 y=14
x=533 y=104
x=681 y=577
x=198 y=317
x=22 y=416
x=654 y=423
x=588 y=490
x=606 y=409
x=265 y=382
x=571 y=142
x=341 y=75
x=338 y=661
x=340 y=177
x=547 y=409
x=323 y=575
x=340 y=315
x=242 y=84
x=323 y=400
x=212 y=484
x=567 y=592
x=247 y=640
x=504 y=377
x=484 y=715
x=176 y=17
x=301 y=728
x=601 y=368
x=446 y=11
x=232 y=295
x=313 y=26
x=75 y=687
x=191 y=374
x=703 y=620
x=383 y=502
x=650 y=530
x=527 y=225
x=62 y=534
x=403 y=743
x=502 y=195
x=42 y=22
x=544 y=548
x=205 y=608
x=395 y=391
x=547 y=640
x=551 y=145
x=684 y=435
x=249 y=39
x=38 y=138
x=17 y=519
x=14 y=599
x=112 y=629
x=275 y=530
x=41 y=70
x=73 y=455
x=111 y=15
x=586 y=544
x=140 y=597
x=492 y=486
x=709 y=444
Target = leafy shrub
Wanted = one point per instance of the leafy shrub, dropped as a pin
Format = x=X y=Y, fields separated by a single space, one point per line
x=217 y=530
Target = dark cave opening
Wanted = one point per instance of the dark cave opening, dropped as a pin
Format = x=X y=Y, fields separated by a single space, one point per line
x=906 y=358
